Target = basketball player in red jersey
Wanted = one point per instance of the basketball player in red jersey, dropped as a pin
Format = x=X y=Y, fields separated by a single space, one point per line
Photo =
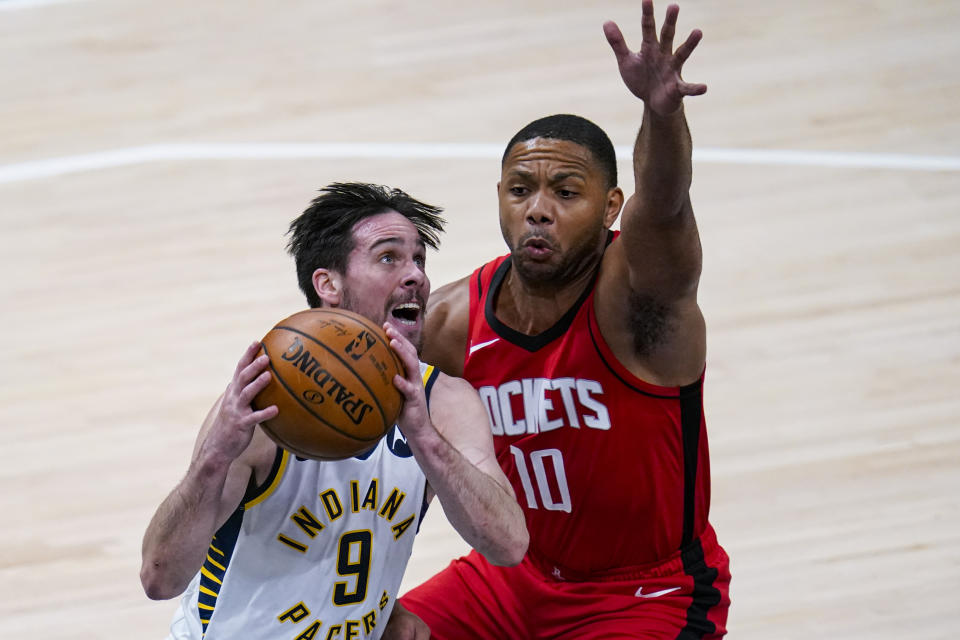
x=588 y=349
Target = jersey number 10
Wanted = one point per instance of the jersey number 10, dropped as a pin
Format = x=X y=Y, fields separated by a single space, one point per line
x=538 y=462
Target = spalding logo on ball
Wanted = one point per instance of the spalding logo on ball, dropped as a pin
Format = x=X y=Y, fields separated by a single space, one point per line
x=332 y=380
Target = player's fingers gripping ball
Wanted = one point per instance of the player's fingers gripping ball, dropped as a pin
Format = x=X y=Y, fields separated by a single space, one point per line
x=332 y=381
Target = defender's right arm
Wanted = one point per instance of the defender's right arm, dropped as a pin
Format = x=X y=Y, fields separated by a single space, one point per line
x=226 y=452
x=447 y=327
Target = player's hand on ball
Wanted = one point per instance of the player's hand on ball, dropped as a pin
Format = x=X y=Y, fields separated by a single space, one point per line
x=233 y=428
x=415 y=416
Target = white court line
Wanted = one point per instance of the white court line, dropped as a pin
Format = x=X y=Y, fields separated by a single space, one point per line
x=51 y=167
x=10 y=5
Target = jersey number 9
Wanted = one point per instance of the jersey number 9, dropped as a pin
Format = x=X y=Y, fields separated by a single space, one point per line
x=359 y=567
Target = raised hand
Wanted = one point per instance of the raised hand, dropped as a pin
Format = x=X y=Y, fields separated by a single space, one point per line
x=653 y=73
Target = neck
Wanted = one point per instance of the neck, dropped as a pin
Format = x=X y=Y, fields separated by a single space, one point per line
x=532 y=307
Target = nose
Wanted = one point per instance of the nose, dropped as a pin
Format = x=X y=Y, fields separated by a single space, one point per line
x=540 y=209
x=414 y=276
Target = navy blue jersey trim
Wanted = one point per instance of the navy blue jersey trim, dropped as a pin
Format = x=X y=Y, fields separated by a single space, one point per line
x=428 y=384
x=427 y=387
x=423 y=506
x=704 y=597
x=253 y=490
x=214 y=568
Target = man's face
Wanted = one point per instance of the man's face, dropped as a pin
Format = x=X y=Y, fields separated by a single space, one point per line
x=554 y=205
x=385 y=279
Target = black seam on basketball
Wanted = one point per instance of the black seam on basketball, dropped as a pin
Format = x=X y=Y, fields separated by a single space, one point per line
x=309 y=410
x=373 y=396
x=614 y=371
x=366 y=322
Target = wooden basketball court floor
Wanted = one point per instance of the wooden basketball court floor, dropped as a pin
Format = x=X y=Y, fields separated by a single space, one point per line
x=152 y=155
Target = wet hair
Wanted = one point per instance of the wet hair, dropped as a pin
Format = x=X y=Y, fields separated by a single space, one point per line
x=572 y=129
x=322 y=236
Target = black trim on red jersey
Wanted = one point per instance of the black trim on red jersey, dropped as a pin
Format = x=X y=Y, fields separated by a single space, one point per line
x=523 y=340
x=704 y=597
x=691 y=415
x=480 y=282
x=593 y=338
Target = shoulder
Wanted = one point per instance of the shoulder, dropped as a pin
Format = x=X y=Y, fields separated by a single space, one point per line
x=449 y=298
x=452 y=388
x=452 y=393
x=446 y=326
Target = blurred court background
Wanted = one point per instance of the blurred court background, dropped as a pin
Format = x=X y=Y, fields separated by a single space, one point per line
x=152 y=155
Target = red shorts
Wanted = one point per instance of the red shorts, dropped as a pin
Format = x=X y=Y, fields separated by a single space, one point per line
x=682 y=598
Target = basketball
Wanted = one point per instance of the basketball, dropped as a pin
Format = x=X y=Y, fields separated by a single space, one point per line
x=332 y=381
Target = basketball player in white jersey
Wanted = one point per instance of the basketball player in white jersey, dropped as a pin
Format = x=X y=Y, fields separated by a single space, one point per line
x=264 y=545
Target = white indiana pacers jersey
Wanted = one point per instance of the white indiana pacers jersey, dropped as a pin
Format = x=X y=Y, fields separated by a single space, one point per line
x=317 y=552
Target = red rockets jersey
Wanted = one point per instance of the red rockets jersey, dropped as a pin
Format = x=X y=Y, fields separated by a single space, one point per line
x=612 y=472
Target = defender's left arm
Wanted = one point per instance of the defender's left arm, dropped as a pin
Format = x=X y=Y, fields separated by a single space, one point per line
x=658 y=261
x=453 y=445
x=662 y=244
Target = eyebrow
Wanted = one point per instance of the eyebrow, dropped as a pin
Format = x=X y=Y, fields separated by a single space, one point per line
x=396 y=240
x=555 y=178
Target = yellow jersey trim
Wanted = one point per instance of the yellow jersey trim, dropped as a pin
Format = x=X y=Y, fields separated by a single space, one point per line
x=274 y=482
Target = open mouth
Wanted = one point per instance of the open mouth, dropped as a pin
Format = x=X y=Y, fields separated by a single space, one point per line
x=407 y=313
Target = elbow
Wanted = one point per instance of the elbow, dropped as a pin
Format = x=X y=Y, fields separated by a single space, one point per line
x=510 y=553
x=156 y=584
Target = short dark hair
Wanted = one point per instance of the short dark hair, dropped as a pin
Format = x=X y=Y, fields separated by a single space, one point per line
x=564 y=126
x=322 y=236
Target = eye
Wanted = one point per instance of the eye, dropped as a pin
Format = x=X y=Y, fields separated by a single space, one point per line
x=387 y=258
x=518 y=191
x=566 y=194
x=420 y=261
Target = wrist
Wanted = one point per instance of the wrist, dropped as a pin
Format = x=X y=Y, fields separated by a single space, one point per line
x=210 y=463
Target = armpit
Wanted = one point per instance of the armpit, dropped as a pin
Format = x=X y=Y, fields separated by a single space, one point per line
x=649 y=322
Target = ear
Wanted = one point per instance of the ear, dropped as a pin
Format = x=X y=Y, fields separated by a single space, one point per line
x=329 y=286
x=614 y=205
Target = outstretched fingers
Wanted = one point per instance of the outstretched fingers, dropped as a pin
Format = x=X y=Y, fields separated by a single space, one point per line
x=669 y=28
x=615 y=39
x=648 y=23
x=683 y=51
x=689 y=89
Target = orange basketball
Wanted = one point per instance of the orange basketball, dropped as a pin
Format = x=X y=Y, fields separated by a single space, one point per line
x=332 y=380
